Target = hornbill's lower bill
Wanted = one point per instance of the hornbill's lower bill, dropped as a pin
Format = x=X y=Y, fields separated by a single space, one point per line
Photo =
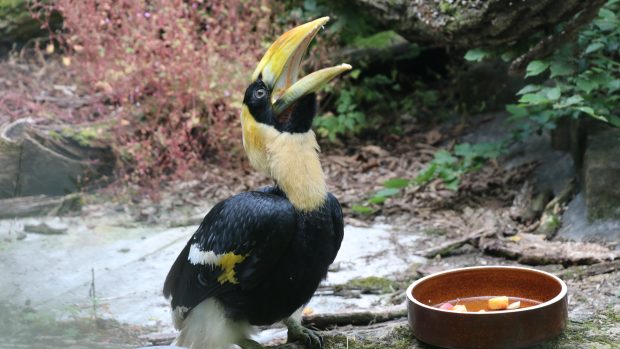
x=258 y=256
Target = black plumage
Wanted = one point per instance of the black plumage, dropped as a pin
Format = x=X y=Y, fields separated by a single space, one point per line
x=288 y=253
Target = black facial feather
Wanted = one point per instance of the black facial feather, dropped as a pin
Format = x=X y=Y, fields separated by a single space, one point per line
x=302 y=115
x=258 y=99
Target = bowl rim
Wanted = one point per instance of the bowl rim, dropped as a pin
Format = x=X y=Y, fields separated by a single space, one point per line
x=559 y=297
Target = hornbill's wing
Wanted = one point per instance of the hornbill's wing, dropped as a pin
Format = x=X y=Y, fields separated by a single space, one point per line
x=236 y=245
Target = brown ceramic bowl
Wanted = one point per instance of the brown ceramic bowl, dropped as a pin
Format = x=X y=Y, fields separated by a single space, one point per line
x=498 y=329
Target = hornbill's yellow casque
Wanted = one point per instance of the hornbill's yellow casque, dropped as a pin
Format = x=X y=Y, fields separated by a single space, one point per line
x=258 y=256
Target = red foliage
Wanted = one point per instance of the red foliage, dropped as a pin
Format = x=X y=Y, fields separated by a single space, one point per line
x=175 y=69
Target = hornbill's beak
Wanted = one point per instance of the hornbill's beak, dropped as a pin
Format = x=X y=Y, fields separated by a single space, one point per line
x=279 y=67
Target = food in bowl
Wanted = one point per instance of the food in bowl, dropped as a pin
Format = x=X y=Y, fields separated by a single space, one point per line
x=487 y=303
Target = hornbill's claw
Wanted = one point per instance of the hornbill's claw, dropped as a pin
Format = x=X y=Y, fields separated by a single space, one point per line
x=310 y=338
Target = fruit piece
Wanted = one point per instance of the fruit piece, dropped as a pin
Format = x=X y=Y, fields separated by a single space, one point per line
x=446 y=306
x=460 y=308
x=515 y=305
x=498 y=303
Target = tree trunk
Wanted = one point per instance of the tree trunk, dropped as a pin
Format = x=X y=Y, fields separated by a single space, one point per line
x=474 y=23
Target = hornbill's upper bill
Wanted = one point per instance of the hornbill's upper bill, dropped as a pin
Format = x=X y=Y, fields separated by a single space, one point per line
x=258 y=256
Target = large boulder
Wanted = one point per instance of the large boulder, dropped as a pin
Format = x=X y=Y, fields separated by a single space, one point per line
x=474 y=23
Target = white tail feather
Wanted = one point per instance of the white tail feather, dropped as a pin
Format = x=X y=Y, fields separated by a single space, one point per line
x=207 y=327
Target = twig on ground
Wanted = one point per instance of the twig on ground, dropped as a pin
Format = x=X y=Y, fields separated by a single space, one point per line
x=446 y=248
x=582 y=271
x=356 y=318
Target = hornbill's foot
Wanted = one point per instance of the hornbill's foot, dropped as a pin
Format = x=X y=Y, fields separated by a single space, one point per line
x=296 y=332
x=250 y=344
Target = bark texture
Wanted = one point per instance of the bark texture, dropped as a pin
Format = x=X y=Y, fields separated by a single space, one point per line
x=474 y=23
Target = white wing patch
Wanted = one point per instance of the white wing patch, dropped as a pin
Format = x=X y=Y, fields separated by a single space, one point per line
x=196 y=256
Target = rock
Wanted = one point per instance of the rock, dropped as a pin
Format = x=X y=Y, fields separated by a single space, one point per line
x=44 y=228
x=555 y=168
x=576 y=226
x=35 y=160
x=601 y=172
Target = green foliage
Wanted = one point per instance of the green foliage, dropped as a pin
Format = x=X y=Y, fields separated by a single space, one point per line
x=584 y=78
x=349 y=21
x=477 y=55
x=370 y=102
x=448 y=166
x=349 y=120
x=379 y=40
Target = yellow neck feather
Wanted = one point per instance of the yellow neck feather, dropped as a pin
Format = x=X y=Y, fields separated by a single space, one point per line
x=295 y=166
x=291 y=159
x=256 y=136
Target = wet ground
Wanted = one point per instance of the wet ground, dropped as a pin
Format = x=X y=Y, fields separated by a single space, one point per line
x=126 y=267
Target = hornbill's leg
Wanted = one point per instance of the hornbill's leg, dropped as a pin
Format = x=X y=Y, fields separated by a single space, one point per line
x=296 y=331
x=250 y=344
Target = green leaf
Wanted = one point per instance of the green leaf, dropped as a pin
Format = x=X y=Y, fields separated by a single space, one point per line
x=593 y=47
x=586 y=110
x=535 y=68
x=443 y=157
x=476 y=55
x=560 y=69
x=355 y=73
x=529 y=88
x=567 y=102
x=362 y=209
x=614 y=120
x=516 y=110
x=586 y=85
x=377 y=199
x=554 y=93
x=387 y=192
x=533 y=98
x=426 y=175
x=452 y=185
x=397 y=183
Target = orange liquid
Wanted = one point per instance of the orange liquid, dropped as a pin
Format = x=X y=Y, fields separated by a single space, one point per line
x=474 y=304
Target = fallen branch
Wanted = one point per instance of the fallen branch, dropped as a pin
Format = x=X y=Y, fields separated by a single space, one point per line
x=39 y=205
x=356 y=318
x=448 y=247
x=582 y=271
x=533 y=249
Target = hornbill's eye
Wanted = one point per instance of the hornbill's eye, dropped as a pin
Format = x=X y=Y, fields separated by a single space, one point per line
x=260 y=93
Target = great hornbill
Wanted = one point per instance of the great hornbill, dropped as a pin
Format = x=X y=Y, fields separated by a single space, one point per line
x=258 y=256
